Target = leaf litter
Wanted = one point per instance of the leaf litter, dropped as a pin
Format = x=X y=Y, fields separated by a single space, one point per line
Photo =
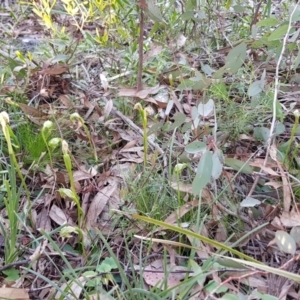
x=53 y=93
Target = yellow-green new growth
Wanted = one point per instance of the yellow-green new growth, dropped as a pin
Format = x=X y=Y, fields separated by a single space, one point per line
x=144 y=113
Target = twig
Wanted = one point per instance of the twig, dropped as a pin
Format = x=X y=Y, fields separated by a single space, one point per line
x=15 y=264
x=141 y=51
x=255 y=15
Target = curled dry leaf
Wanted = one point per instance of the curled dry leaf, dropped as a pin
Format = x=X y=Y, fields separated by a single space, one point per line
x=290 y=219
x=100 y=201
x=59 y=217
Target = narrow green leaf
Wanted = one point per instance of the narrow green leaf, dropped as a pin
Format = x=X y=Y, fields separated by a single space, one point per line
x=278 y=33
x=265 y=268
x=195 y=147
x=256 y=87
x=268 y=22
x=236 y=57
x=196 y=236
x=238 y=165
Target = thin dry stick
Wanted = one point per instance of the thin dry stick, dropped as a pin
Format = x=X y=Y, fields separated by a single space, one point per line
x=141 y=49
x=272 y=129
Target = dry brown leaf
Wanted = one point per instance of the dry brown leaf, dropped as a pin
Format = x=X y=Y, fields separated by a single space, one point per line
x=14 y=294
x=133 y=149
x=154 y=50
x=276 y=185
x=269 y=171
x=59 y=217
x=100 y=201
x=5 y=89
x=287 y=189
x=83 y=175
x=65 y=100
x=31 y=111
x=276 y=223
x=154 y=274
x=133 y=160
x=129 y=145
x=43 y=220
x=221 y=233
x=142 y=4
x=203 y=250
x=187 y=188
x=108 y=108
x=290 y=219
x=180 y=212
x=56 y=69
x=144 y=93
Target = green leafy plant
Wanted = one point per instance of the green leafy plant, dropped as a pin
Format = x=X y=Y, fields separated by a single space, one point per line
x=68 y=193
x=144 y=113
x=13 y=195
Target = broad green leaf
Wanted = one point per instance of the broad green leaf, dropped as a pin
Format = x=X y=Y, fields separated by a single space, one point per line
x=230 y=297
x=279 y=129
x=191 y=4
x=12 y=274
x=285 y=242
x=188 y=15
x=239 y=8
x=212 y=286
x=266 y=296
x=217 y=166
x=206 y=109
x=179 y=119
x=220 y=90
x=153 y=11
x=295 y=233
x=195 y=147
x=236 y=57
x=268 y=22
x=261 y=133
x=201 y=277
x=219 y=73
x=256 y=87
x=90 y=274
x=203 y=175
x=206 y=69
x=296 y=15
x=278 y=33
x=238 y=165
